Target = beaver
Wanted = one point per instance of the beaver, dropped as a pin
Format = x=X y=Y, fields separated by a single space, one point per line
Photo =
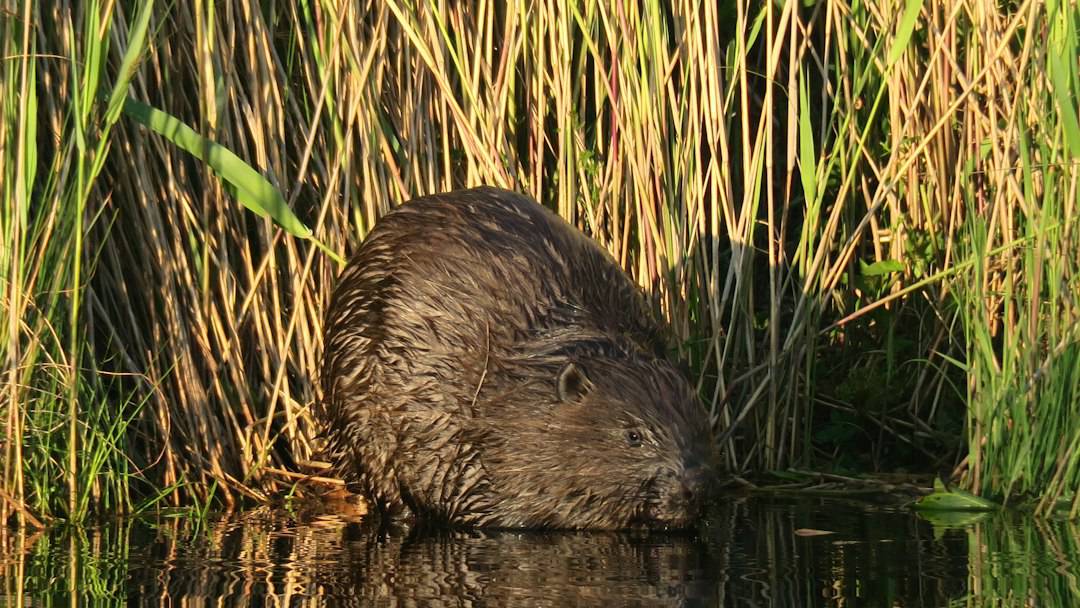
x=488 y=365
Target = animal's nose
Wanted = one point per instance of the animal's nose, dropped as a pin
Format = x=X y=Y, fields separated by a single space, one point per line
x=689 y=493
x=694 y=482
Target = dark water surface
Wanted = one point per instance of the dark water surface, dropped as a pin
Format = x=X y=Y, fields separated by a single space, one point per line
x=753 y=552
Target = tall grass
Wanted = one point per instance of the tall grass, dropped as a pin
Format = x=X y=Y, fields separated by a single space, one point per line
x=824 y=200
x=66 y=428
x=1021 y=303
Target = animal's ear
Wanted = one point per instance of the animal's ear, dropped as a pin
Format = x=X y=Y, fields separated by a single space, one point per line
x=572 y=382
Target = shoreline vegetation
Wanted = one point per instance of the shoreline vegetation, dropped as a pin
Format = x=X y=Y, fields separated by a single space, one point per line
x=860 y=218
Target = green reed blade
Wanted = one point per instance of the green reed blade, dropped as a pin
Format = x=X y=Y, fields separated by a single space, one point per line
x=252 y=189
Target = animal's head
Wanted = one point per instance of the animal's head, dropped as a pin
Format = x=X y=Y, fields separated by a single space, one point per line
x=593 y=433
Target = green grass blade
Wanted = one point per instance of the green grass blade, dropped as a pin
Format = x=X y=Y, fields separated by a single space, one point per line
x=1061 y=65
x=253 y=190
x=905 y=30
x=807 y=160
x=136 y=46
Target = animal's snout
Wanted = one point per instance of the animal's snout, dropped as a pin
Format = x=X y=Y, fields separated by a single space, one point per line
x=694 y=482
x=689 y=488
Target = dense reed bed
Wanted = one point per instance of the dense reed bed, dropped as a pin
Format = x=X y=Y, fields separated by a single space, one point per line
x=860 y=218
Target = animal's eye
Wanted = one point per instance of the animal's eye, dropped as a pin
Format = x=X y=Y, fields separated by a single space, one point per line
x=633 y=438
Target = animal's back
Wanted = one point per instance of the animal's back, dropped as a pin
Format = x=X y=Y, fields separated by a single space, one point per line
x=468 y=269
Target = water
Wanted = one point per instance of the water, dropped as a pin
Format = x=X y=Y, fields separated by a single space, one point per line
x=753 y=552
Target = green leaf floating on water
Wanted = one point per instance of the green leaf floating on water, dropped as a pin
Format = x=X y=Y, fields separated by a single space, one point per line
x=953 y=500
x=251 y=188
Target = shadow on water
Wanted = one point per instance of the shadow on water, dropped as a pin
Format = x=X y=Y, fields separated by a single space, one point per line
x=752 y=552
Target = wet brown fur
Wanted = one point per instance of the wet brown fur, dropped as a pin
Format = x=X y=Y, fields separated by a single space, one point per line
x=487 y=364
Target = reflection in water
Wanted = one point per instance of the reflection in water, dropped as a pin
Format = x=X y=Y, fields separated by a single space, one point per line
x=522 y=569
x=751 y=553
x=870 y=556
x=1032 y=563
